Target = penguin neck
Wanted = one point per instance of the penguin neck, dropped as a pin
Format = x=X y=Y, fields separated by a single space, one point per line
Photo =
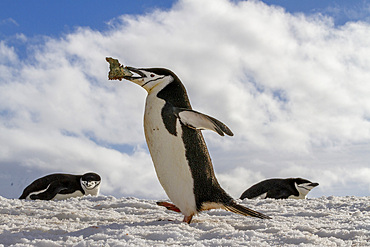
x=158 y=86
x=175 y=94
x=302 y=192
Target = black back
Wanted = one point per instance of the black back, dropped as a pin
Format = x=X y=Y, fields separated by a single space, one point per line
x=59 y=184
x=206 y=186
x=275 y=188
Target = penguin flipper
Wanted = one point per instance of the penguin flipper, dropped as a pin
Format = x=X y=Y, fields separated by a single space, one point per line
x=255 y=192
x=282 y=194
x=53 y=189
x=239 y=209
x=197 y=120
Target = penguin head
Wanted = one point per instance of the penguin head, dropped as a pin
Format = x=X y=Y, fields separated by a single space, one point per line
x=90 y=183
x=151 y=78
x=304 y=186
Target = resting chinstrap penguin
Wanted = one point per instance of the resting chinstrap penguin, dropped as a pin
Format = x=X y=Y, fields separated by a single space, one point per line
x=62 y=186
x=176 y=145
x=278 y=188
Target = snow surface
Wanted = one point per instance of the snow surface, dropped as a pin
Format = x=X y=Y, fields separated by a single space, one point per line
x=110 y=221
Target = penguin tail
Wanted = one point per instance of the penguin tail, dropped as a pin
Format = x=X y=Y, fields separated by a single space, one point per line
x=239 y=209
x=23 y=196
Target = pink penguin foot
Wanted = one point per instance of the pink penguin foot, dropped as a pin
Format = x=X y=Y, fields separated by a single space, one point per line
x=169 y=206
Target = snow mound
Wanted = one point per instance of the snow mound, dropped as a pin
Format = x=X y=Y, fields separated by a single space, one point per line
x=108 y=221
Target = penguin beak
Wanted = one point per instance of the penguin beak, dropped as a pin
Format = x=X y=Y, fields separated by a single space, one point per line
x=91 y=184
x=308 y=186
x=137 y=77
x=314 y=184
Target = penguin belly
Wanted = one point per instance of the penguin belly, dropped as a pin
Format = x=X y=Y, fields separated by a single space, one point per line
x=300 y=196
x=168 y=155
x=77 y=193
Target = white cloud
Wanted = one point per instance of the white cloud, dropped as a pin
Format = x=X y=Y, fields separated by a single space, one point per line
x=293 y=89
x=8 y=21
x=354 y=11
x=7 y=54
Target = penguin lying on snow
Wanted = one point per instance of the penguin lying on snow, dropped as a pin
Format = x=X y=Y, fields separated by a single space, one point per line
x=62 y=186
x=176 y=144
x=295 y=188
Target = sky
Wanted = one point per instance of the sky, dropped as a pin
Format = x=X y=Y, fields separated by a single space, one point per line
x=290 y=78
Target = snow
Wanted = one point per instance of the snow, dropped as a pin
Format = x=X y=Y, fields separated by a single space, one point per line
x=110 y=221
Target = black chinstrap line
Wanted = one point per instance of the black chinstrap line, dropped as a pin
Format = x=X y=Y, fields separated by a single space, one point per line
x=152 y=80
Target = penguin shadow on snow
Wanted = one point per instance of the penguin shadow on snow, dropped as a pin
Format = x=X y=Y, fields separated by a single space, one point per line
x=61 y=186
x=279 y=188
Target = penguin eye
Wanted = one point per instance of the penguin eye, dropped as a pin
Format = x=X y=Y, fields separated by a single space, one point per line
x=152 y=75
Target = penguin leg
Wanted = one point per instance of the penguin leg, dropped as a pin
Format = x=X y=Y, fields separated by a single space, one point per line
x=169 y=206
x=173 y=207
x=187 y=219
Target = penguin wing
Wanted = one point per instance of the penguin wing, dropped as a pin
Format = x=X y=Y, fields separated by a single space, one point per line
x=54 y=188
x=38 y=185
x=197 y=120
x=254 y=191
x=278 y=194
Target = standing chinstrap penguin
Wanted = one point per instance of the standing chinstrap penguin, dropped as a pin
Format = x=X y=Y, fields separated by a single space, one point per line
x=176 y=144
x=278 y=188
x=62 y=186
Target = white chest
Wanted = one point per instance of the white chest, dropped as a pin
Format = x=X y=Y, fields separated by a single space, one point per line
x=303 y=191
x=168 y=155
x=297 y=197
x=93 y=192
